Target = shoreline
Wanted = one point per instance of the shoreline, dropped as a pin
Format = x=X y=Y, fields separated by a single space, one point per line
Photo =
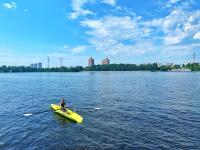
x=153 y=67
x=101 y=71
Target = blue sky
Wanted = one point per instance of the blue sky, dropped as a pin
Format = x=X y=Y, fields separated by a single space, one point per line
x=126 y=31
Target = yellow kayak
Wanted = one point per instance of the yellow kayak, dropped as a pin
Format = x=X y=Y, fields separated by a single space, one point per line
x=68 y=114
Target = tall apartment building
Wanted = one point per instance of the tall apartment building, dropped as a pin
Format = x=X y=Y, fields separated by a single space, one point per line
x=39 y=65
x=36 y=65
x=90 y=62
x=105 y=61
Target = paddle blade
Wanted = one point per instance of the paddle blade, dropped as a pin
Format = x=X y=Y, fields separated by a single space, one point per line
x=28 y=114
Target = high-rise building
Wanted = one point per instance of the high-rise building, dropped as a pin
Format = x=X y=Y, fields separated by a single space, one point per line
x=39 y=65
x=36 y=65
x=90 y=62
x=105 y=61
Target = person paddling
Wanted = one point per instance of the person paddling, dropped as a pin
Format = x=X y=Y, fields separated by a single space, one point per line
x=62 y=105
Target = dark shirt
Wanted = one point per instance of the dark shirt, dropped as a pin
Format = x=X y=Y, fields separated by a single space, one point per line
x=63 y=104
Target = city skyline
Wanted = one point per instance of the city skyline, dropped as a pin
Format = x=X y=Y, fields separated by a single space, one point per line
x=136 y=32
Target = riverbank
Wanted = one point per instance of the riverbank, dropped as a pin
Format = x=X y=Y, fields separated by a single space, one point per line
x=110 y=67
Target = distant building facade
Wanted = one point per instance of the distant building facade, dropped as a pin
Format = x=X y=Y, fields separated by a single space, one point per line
x=31 y=65
x=36 y=65
x=105 y=61
x=170 y=64
x=39 y=65
x=90 y=62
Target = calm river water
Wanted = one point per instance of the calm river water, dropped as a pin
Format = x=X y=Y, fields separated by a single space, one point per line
x=139 y=110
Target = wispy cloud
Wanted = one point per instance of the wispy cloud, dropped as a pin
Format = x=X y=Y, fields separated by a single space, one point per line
x=181 y=50
x=110 y=2
x=178 y=25
x=181 y=4
x=65 y=46
x=131 y=34
x=11 y=5
x=114 y=34
x=74 y=50
x=78 y=9
x=79 y=49
x=197 y=35
x=174 y=1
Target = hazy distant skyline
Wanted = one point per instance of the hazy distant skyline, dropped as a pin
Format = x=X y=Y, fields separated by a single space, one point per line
x=125 y=31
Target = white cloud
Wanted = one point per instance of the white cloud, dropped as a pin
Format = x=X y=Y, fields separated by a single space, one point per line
x=79 y=49
x=115 y=34
x=174 y=39
x=78 y=9
x=133 y=34
x=110 y=2
x=181 y=50
x=11 y=5
x=74 y=50
x=174 y=4
x=177 y=26
x=119 y=28
x=197 y=35
x=180 y=25
x=174 y=1
x=65 y=46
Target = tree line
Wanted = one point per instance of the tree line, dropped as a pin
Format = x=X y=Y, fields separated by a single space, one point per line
x=110 y=67
x=143 y=67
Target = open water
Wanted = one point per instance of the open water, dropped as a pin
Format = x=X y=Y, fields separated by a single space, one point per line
x=139 y=110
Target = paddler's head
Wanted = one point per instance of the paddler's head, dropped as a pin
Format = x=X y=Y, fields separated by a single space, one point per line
x=63 y=99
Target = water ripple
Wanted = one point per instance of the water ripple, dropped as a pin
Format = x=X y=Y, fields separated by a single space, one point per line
x=139 y=110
